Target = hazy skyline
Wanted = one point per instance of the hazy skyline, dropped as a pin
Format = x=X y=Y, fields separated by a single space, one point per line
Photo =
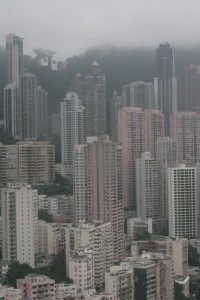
x=71 y=26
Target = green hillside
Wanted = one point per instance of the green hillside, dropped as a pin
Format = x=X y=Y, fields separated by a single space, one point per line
x=121 y=66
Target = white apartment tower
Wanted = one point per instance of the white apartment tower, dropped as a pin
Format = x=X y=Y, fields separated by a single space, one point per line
x=182 y=200
x=73 y=130
x=14 y=53
x=147 y=187
x=167 y=158
x=19 y=213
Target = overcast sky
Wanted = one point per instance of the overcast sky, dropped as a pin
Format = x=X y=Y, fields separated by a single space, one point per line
x=71 y=26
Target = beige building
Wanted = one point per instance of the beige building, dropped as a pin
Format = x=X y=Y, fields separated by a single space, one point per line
x=36 y=287
x=104 y=188
x=98 y=237
x=31 y=162
x=51 y=237
x=9 y=293
x=147 y=188
x=120 y=282
x=154 y=121
x=132 y=136
x=178 y=249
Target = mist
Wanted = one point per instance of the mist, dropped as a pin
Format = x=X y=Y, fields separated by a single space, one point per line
x=71 y=26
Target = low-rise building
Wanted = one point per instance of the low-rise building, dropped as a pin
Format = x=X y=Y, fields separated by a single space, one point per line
x=64 y=290
x=36 y=287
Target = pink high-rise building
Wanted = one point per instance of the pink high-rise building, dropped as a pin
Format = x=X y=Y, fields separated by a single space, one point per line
x=185 y=128
x=104 y=188
x=132 y=136
x=154 y=121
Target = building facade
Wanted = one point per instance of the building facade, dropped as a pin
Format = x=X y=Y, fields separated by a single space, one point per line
x=19 y=223
x=182 y=200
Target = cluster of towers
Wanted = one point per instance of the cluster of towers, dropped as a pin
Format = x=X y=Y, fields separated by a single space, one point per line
x=25 y=102
x=147 y=137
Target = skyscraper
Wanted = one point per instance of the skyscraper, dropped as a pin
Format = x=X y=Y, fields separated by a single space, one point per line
x=154 y=121
x=72 y=130
x=41 y=112
x=147 y=188
x=132 y=136
x=165 y=83
x=167 y=158
x=142 y=95
x=192 y=88
x=182 y=198
x=28 y=98
x=80 y=183
x=104 y=188
x=95 y=101
x=14 y=53
x=11 y=109
x=19 y=223
x=185 y=128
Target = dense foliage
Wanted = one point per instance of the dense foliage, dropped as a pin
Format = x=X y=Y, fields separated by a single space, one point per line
x=56 y=271
x=61 y=186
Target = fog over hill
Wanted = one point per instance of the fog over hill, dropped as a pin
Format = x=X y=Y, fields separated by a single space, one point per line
x=121 y=66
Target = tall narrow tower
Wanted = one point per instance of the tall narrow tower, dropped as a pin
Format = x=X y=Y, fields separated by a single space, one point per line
x=95 y=101
x=165 y=83
x=72 y=130
x=14 y=52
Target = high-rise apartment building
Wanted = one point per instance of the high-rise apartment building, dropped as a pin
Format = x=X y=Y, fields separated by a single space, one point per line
x=80 y=183
x=115 y=105
x=41 y=112
x=72 y=130
x=154 y=121
x=104 y=188
x=182 y=201
x=95 y=101
x=167 y=158
x=192 y=88
x=28 y=98
x=37 y=287
x=14 y=53
x=98 y=237
x=32 y=162
x=165 y=83
x=11 y=109
x=185 y=128
x=142 y=95
x=120 y=282
x=147 y=188
x=132 y=136
x=19 y=213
